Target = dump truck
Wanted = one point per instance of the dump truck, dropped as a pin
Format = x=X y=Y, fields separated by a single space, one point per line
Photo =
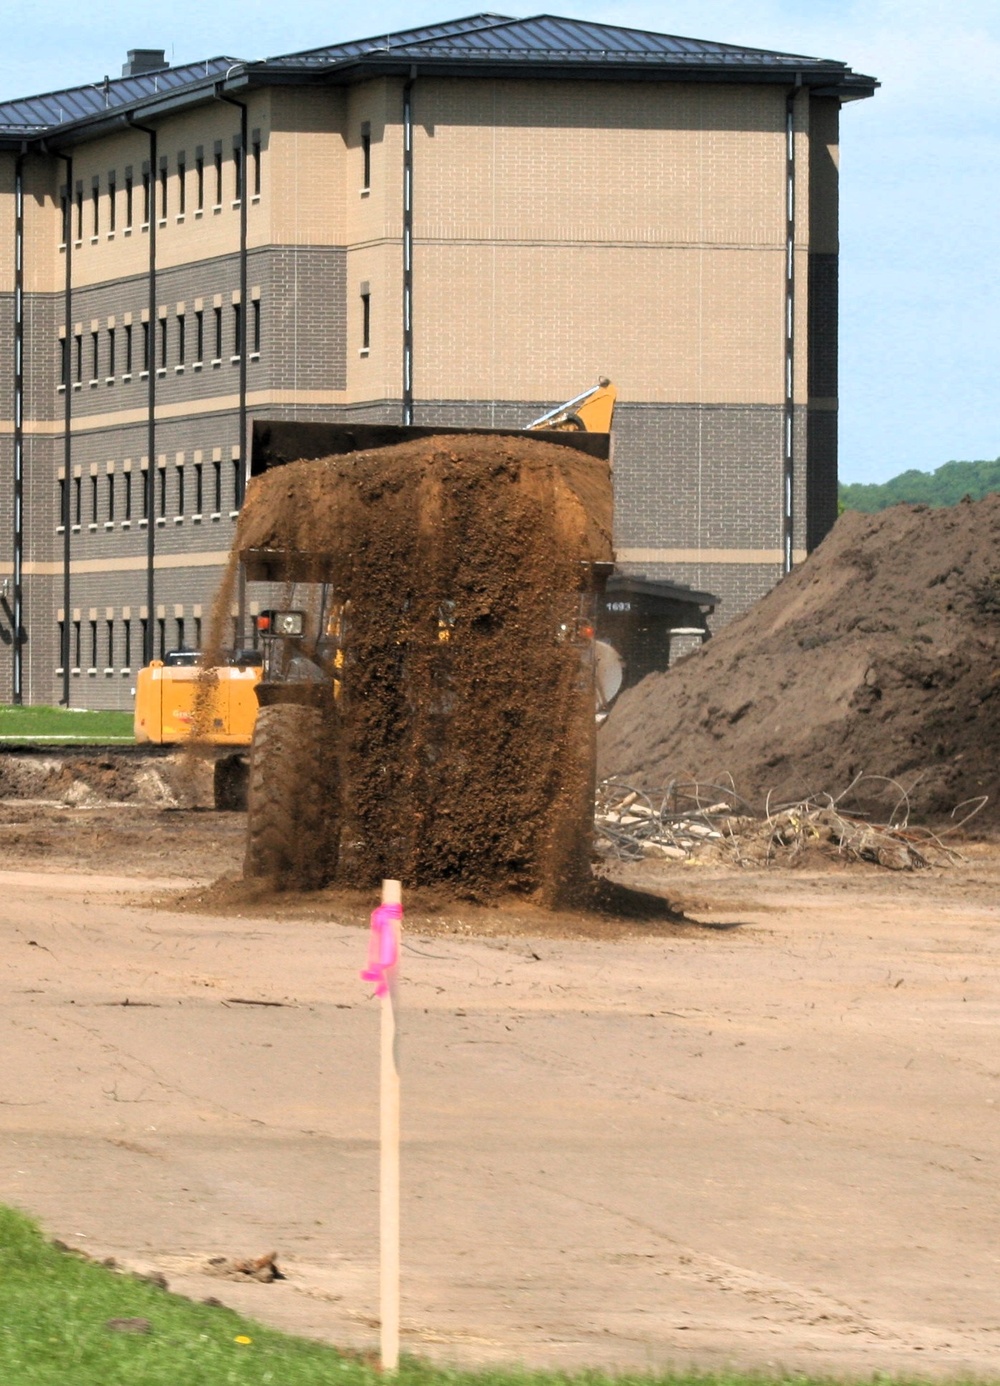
x=175 y=702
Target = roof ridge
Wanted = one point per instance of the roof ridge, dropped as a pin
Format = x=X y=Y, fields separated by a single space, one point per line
x=679 y=38
x=116 y=81
x=395 y=34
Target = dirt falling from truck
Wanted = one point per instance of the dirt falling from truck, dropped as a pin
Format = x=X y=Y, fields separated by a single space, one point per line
x=464 y=726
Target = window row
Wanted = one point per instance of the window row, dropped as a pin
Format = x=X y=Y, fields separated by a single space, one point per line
x=98 y=645
x=181 y=339
x=192 y=490
x=110 y=204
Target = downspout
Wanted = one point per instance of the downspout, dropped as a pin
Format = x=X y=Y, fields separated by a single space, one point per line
x=788 y=465
x=18 y=618
x=408 y=246
x=241 y=478
x=244 y=304
x=148 y=643
x=67 y=232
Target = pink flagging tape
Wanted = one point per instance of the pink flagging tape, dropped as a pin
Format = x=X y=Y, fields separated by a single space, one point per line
x=383 y=948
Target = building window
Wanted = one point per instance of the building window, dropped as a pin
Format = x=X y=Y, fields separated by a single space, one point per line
x=129 y=201
x=144 y=628
x=79 y=211
x=78 y=504
x=218 y=175
x=76 y=644
x=218 y=334
x=366 y=157
x=147 y=196
x=127 y=640
x=237 y=471
x=112 y=202
x=199 y=178
x=217 y=466
x=111 y=495
x=163 y=189
x=199 y=336
x=199 y=484
x=181 y=185
x=93 y=644
x=93 y=498
x=111 y=351
x=128 y=348
x=366 y=321
x=63 y=652
x=145 y=347
x=237 y=173
x=255 y=154
x=180 y=490
x=163 y=344
x=161 y=635
x=128 y=501
x=64 y=362
x=78 y=341
x=95 y=354
x=146 y=483
x=179 y=621
x=256 y=325
x=163 y=490
x=180 y=339
x=95 y=204
x=111 y=644
x=65 y=214
x=197 y=632
x=63 y=502
x=237 y=329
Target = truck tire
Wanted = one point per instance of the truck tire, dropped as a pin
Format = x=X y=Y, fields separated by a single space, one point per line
x=230 y=783
x=293 y=812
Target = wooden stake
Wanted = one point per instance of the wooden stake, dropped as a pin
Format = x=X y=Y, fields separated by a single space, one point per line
x=389 y=1163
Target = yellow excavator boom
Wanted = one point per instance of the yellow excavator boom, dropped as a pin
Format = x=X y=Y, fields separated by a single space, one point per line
x=591 y=412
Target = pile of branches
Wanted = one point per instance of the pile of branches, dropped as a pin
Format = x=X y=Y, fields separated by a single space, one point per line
x=690 y=819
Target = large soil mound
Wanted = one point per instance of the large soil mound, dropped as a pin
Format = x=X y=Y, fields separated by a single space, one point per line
x=464 y=724
x=879 y=655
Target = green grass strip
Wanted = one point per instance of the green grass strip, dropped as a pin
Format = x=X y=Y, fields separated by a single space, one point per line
x=45 y=726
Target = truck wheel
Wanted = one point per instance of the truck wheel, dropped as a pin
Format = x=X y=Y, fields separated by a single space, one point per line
x=293 y=813
x=230 y=783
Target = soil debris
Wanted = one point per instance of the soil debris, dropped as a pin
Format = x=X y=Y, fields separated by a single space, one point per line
x=875 y=665
x=263 y=1268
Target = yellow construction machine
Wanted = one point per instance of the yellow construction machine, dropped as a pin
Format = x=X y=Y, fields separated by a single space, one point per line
x=175 y=703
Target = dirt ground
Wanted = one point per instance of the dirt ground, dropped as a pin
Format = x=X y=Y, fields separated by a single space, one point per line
x=761 y=1135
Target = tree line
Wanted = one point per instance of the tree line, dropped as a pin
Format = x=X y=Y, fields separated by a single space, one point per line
x=946 y=486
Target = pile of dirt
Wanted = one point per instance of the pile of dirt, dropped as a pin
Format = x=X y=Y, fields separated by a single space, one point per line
x=88 y=780
x=462 y=737
x=879 y=656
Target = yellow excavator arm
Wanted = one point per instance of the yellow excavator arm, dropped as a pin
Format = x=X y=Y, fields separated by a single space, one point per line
x=590 y=412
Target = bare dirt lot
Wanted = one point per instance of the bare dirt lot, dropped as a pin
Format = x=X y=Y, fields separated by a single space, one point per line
x=764 y=1133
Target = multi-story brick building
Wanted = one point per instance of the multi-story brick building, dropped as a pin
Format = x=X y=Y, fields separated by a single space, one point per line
x=466 y=223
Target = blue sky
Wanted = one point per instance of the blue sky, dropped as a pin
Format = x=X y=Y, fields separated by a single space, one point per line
x=920 y=191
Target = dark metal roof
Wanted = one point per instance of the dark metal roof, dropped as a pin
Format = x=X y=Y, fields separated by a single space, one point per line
x=33 y=114
x=476 y=45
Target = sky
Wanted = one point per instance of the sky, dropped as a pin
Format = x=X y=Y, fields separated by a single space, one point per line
x=920 y=191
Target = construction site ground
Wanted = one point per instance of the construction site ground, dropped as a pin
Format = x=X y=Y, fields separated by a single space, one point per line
x=763 y=1134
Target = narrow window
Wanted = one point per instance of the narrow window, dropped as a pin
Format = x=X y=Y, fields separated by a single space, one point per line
x=180 y=490
x=217 y=466
x=255 y=152
x=181 y=185
x=163 y=344
x=237 y=468
x=128 y=503
x=95 y=204
x=163 y=490
x=180 y=632
x=64 y=361
x=198 y=487
x=63 y=652
x=128 y=348
x=366 y=321
x=144 y=629
x=199 y=336
x=64 y=209
x=197 y=632
x=111 y=495
x=111 y=351
x=78 y=340
x=111 y=644
x=76 y=644
x=256 y=325
x=79 y=211
x=93 y=499
x=78 y=504
x=112 y=202
x=145 y=495
x=199 y=177
x=162 y=634
x=163 y=190
x=147 y=196
x=93 y=644
x=127 y=652
x=180 y=339
x=129 y=199
x=95 y=354
x=218 y=334
x=218 y=176
x=366 y=157
x=237 y=328
x=63 y=501
x=237 y=174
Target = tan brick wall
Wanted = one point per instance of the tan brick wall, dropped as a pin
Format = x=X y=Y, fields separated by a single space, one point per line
x=305 y=167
